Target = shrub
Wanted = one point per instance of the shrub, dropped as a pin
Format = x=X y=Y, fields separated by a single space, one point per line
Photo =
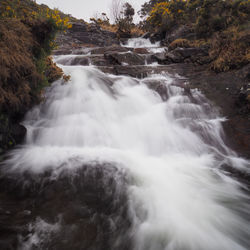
x=230 y=50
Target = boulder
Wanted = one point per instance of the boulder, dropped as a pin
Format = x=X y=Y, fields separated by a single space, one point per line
x=18 y=133
x=79 y=60
x=109 y=49
x=146 y=35
x=180 y=55
x=182 y=31
x=141 y=51
x=160 y=58
x=124 y=58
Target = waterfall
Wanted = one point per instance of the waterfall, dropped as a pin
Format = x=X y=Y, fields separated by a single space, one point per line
x=170 y=146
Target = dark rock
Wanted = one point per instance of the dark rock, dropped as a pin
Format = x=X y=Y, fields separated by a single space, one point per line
x=90 y=35
x=18 y=132
x=146 y=35
x=156 y=37
x=180 y=55
x=79 y=27
x=91 y=202
x=191 y=52
x=141 y=51
x=182 y=31
x=173 y=57
x=124 y=58
x=99 y=60
x=80 y=61
x=141 y=71
x=160 y=58
x=109 y=49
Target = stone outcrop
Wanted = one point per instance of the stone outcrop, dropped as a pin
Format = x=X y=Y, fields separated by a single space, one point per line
x=88 y=34
x=181 y=55
x=182 y=31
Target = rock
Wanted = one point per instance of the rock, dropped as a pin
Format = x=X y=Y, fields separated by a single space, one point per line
x=141 y=51
x=82 y=33
x=99 y=60
x=18 y=132
x=85 y=202
x=160 y=58
x=124 y=58
x=173 y=57
x=79 y=27
x=109 y=49
x=156 y=37
x=190 y=52
x=80 y=60
x=182 y=31
x=180 y=55
x=146 y=35
x=141 y=71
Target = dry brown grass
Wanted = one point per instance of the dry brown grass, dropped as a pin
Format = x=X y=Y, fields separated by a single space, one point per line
x=183 y=43
x=22 y=68
x=53 y=72
x=111 y=28
x=135 y=31
x=230 y=49
x=16 y=66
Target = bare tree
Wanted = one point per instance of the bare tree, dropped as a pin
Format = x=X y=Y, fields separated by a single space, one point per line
x=116 y=8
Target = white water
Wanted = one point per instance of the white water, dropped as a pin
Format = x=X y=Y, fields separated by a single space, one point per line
x=141 y=43
x=180 y=197
x=144 y=43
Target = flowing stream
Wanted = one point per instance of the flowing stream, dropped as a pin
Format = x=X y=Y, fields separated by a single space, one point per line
x=163 y=155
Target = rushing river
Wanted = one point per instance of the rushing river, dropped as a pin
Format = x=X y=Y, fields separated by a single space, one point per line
x=164 y=156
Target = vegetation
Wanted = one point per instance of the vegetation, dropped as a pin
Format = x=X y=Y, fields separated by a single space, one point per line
x=122 y=14
x=27 y=33
x=224 y=25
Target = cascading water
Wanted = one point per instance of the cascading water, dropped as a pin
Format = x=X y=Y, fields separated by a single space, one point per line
x=170 y=147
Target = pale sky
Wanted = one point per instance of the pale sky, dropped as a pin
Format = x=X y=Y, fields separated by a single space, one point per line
x=86 y=8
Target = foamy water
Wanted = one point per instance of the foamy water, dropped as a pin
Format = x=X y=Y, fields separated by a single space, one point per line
x=179 y=196
x=141 y=43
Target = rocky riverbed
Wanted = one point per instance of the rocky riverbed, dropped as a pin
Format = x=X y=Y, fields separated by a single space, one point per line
x=229 y=91
x=36 y=206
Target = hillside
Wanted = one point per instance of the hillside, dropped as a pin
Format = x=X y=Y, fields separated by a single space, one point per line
x=27 y=33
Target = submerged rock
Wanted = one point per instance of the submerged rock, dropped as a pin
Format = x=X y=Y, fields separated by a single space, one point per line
x=82 y=208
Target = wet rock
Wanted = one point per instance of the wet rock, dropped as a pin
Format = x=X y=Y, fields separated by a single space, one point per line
x=180 y=55
x=141 y=51
x=124 y=58
x=161 y=58
x=18 y=132
x=80 y=61
x=141 y=71
x=146 y=35
x=99 y=60
x=89 y=204
x=109 y=49
x=159 y=87
x=193 y=53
